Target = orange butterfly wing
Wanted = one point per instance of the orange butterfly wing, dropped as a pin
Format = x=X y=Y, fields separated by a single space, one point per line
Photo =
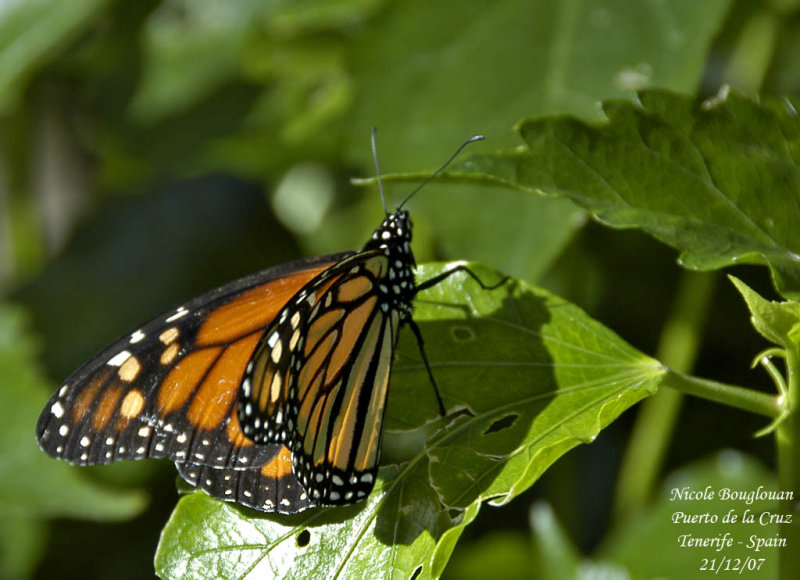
x=169 y=389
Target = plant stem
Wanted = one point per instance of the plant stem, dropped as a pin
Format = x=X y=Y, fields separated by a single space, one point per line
x=788 y=452
x=739 y=397
x=657 y=416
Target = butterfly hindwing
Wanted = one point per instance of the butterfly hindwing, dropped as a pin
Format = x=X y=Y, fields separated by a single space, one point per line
x=270 y=487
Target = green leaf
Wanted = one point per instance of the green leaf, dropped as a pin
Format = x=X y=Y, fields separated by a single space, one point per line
x=776 y=321
x=32 y=484
x=30 y=32
x=525 y=376
x=208 y=538
x=631 y=543
x=429 y=76
x=718 y=180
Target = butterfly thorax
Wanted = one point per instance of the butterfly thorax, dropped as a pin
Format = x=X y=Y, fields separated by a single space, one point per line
x=393 y=239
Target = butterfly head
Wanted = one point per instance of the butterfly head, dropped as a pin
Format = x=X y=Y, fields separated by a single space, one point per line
x=394 y=234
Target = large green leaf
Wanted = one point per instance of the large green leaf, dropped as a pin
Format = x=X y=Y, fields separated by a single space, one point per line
x=718 y=180
x=430 y=74
x=525 y=377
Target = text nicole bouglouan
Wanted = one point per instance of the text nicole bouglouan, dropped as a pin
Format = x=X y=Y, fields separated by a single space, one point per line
x=736 y=530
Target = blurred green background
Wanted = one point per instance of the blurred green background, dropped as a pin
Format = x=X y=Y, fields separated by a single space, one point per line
x=152 y=150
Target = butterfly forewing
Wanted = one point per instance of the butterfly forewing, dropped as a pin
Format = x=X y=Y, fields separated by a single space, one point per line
x=169 y=388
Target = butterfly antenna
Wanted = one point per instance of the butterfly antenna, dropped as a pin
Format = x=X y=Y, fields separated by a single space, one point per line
x=442 y=168
x=378 y=170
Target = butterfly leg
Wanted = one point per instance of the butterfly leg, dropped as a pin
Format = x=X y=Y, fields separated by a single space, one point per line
x=420 y=342
x=421 y=345
x=460 y=268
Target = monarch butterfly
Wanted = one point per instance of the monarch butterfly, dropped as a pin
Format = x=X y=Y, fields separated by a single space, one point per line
x=268 y=391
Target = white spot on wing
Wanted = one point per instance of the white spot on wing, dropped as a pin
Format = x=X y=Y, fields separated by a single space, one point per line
x=119 y=358
x=137 y=337
x=277 y=350
x=57 y=409
x=179 y=313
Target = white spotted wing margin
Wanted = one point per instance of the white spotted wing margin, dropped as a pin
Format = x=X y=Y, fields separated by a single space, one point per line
x=135 y=399
x=271 y=488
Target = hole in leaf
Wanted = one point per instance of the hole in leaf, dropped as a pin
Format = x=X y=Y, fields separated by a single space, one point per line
x=502 y=423
x=303 y=538
x=416 y=573
x=462 y=334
